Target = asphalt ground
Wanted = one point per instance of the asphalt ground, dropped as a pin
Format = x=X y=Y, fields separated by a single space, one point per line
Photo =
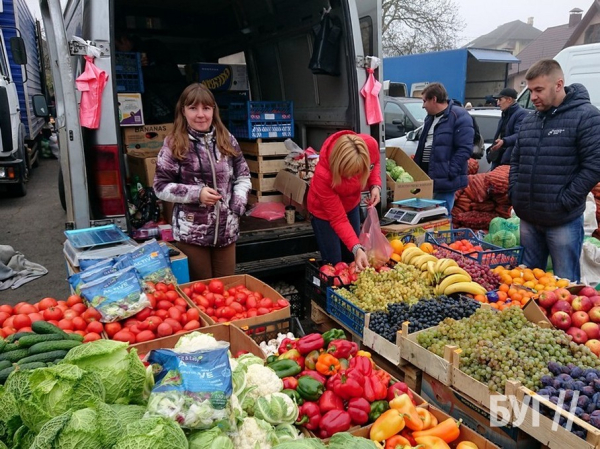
x=33 y=225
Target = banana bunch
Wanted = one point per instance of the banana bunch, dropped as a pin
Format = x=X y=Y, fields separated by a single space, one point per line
x=417 y=257
x=448 y=278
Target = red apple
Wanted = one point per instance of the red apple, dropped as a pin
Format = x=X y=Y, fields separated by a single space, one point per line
x=562 y=293
x=579 y=318
x=562 y=306
x=591 y=329
x=595 y=314
x=547 y=299
x=578 y=335
x=594 y=346
x=595 y=300
x=587 y=291
x=571 y=298
x=561 y=320
x=582 y=303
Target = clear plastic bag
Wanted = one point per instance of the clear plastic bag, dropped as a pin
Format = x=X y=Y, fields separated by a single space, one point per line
x=377 y=247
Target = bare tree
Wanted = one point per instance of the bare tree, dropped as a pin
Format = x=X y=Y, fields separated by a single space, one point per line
x=417 y=26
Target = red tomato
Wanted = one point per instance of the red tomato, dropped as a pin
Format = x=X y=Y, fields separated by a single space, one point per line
x=144 y=313
x=164 y=330
x=82 y=333
x=2 y=334
x=229 y=300
x=21 y=320
x=283 y=303
x=9 y=321
x=26 y=329
x=267 y=303
x=79 y=307
x=125 y=335
x=190 y=325
x=142 y=325
x=91 y=336
x=150 y=285
x=198 y=287
x=112 y=328
x=180 y=302
x=171 y=287
x=54 y=322
x=222 y=320
x=251 y=302
x=79 y=323
x=25 y=308
x=210 y=311
x=237 y=307
x=52 y=313
x=193 y=314
x=74 y=299
x=153 y=322
x=146 y=335
x=175 y=313
x=202 y=301
x=210 y=297
x=161 y=313
x=176 y=325
x=258 y=295
x=164 y=305
x=95 y=326
x=91 y=314
x=66 y=325
x=187 y=291
x=6 y=308
x=69 y=314
x=227 y=312
x=216 y=286
x=160 y=296
x=6 y=330
x=219 y=300
x=161 y=287
x=241 y=297
x=251 y=313
x=130 y=322
x=151 y=299
x=3 y=317
x=135 y=329
x=202 y=309
x=47 y=302
x=62 y=303
x=262 y=311
x=172 y=296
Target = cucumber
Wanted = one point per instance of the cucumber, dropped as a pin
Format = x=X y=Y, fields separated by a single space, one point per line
x=48 y=346
x=5 y=373
x=9 y=347
x=43 y=327
x=18 y=335
x=15 y=355
x=52 y=356
x=4 y=364
x=76 y=337
x=31 y=365
x=3 y=343
x=30 y=340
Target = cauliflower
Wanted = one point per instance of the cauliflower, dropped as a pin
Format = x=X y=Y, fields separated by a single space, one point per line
x=264 y=379
x=254 y=434
x=276 y=408
x=197 y=341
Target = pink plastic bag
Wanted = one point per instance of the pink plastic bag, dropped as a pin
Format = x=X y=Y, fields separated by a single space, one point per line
x=91 y=84
x=370 y=92
x=377 y=247
x=268 y=211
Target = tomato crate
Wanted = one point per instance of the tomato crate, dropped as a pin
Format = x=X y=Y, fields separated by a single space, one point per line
x=128 y=71
x=345 y=312
x=316 y=283
x=269 y=330
x=492 y=255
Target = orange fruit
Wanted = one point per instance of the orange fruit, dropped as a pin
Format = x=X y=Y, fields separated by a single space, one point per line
x=397 y=245
x=515 y=273
x=506 y=278
x=426 y=247
x=517 y=297
x=480 y=298
x=502 y=295
x=504 y=288
x=528 y=275
x=538 y=273
x=538 y=287
x=409 y=245
x=561 y=283
x=396 y=257
x=529 y=284
x=518 y=281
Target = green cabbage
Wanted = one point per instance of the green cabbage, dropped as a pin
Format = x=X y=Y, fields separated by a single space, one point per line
x=23 y=438
x=303 y=443
x=128 y=413
x=389 y=164
x=504 y=239
x=405 y=177
x=153 y=432
x=210 y=439
x=121 y=371
x=10 y=421
x=344 y=440
x=496 y=224
x=396 y=172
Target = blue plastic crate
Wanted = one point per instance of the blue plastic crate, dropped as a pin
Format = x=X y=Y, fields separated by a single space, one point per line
x=345 y=312
x=491 y=256
x=128 y=71
x=260 y=130
x=261 y=119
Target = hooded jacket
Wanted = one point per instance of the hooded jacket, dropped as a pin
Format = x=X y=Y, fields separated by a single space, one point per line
x=333 y=203
x=556 y=161
x=180 y=182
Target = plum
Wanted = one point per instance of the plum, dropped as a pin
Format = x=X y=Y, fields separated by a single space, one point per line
x=544 y=392
x=557 y=384
x=578 y=385
x=590 y=377
x=583 y=401
x=591 y=407
x=588 y=391
x=554 y=368
x=578 y=412
x=576 y=372
x=596 y=384
x=552 y=390
x=595 y=420
x=585 y=417
x=569 y=385
x=554 y=400
x=546 y=380
x=564 y=377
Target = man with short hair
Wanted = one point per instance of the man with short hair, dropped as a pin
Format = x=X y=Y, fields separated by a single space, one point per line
x=554 y=165
x=445 y=144
x=508 y=128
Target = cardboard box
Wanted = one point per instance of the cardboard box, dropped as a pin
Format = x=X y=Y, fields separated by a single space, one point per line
x=131 y=112
x=149 y=137
x=143 y=164
x=416 y=232
x=292 y=187
x=219 y=77
x=422 y=187
x=179 y=265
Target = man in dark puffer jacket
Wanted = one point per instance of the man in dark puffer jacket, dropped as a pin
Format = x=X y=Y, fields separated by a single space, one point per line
x=554 y=165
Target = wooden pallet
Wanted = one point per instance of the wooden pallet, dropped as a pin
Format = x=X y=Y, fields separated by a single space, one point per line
x=263 y=182
x=265 y=164
x=260 y=148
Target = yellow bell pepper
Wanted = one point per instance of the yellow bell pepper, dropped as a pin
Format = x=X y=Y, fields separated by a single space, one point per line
x=404 y=405
x=447 y=430
x=426 y=417
x=364 y=353
x=388 y=424
x=431 y=442
x=467 y=445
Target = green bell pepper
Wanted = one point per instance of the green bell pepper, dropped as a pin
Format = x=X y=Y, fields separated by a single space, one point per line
x=310 y=389
x=271 y=359
x=377 y=408
x=294 y=395
x=344 y=363
x=333 y=334
x=285 y=368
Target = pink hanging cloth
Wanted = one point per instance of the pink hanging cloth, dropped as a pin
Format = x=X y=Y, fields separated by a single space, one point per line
x=370 y=92
x=91 y=84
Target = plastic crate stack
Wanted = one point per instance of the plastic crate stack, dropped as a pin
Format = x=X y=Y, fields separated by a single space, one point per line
x=128 y=69
x=261 y=119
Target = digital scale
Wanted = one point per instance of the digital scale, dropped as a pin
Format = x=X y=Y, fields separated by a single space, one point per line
x=96 y=243
x=416 y=210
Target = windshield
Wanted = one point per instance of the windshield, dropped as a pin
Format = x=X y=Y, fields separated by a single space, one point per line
x=487 y=127
x=416 y=110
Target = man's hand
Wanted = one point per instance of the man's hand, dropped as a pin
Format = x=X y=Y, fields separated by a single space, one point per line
x=209 y=197
x=497 y=145
x=361 y=260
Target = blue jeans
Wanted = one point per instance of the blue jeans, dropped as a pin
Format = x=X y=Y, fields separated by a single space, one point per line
x=563 y=243
x=331 y=247
x=448 y=197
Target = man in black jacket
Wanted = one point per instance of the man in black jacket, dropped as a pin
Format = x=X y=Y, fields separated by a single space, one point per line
x=508 y=128
x=553 y=167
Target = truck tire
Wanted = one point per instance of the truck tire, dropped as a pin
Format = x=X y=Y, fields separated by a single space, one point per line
x=61 y=190
x=20 y=189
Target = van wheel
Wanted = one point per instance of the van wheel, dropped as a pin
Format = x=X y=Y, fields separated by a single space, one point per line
x=61 y=190
x=19 y=189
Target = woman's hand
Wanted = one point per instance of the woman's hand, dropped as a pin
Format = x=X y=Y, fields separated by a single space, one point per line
x=209 y=197
x=375 y=196
x=361 y=259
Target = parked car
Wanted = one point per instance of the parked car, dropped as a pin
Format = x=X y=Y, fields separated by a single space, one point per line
x=487 y=119
x=402 y=115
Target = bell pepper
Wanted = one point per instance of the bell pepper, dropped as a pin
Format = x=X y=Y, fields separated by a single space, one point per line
x=404 y=405
x=467 y=445
x=425 y=417
x=342 y=348
x=375 y=390
x=344 y=363
x=432 y=442
x=287 y=344
x=347 y=385
x=333 y=334
x=310 y=389
x=407 y=433
x=309 y=416
x=310 y=342
x=387 y=425
x=362 y=364
x=359 y=409
x=447 y=430
x=294 y=396
x=327 y=364
x=292 y=354
x=434 y=421
x=364 y=354
x=330 y=401
x=397 y=442
x=272 y=358
x=311 y=359
x=397 y=389
x=334 y=421
x=383 y=376
x=377 y=408
x=285 y=368
x=290 y=383
x=313 y=374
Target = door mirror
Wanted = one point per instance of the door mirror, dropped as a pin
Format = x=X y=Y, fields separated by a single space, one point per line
x=40 y=107
x=19 y=53
x=412 y=135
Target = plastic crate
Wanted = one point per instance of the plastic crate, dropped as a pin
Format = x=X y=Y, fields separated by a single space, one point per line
x=270 y=330
x=345 y=312
x=261 y=130
x=261 y=119
x=491 y=256
x=128 y=71
x=316 y=283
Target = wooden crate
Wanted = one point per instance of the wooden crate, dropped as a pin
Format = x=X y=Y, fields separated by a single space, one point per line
x=260 y=148
x=264 y=197
x=317 y=314
x=437 y=367
x=265 y=164
x=385 y=348
x=263 y=182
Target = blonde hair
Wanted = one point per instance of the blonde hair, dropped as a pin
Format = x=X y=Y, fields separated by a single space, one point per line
x=349 y=157
x=195 y=94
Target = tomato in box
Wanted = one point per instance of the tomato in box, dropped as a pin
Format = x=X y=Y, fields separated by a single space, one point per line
x=47 y=302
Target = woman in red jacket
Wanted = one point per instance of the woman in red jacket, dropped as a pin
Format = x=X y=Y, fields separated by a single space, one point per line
x=348 y=165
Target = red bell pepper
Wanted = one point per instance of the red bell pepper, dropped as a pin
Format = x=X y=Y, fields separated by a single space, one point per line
x=347 y=385
x=331 y=380
x=313 y=374
x=290 y=383
x=359 y=409
x=333 y=422
x=343 y=349
x=398 y=389
x=330 y=401
x=309 y=416
x=287 y=344
x=363 y=364
x=384 y=376
x=310 y=361
x=310 y=342
x=407 y=433
x=374 y=390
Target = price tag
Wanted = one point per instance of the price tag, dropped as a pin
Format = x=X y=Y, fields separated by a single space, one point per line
x=316 y=281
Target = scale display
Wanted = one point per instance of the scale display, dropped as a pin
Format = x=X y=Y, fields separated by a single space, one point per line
x=413 y=217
